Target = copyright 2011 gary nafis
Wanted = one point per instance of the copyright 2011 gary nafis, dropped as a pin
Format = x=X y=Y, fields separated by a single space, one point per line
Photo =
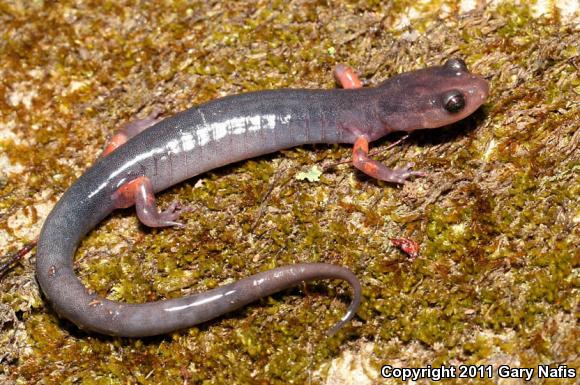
x=477 y=371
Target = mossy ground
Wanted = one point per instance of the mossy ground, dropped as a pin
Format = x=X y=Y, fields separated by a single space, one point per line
x=497 y=216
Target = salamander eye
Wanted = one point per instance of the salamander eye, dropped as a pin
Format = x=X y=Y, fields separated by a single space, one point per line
x=456 y=64
x=453 y=101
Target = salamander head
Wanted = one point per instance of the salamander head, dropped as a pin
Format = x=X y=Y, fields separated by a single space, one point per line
x=431 y=97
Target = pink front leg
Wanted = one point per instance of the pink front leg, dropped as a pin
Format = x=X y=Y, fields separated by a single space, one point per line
x=348 y=78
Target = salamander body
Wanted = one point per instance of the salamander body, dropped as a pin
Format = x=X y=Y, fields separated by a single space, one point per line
x=217 y=133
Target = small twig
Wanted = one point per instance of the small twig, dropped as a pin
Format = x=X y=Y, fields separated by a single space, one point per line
x=265 y=198
x=15 y=257
x=442 y=190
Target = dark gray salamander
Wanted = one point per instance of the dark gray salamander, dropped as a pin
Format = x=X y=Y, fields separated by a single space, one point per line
x=217 y=133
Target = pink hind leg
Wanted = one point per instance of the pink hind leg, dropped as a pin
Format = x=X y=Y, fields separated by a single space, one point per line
x=129 y=130
x=139 y=192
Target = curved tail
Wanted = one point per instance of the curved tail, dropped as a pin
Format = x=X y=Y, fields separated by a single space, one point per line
x=71 y=219
x=92 y=312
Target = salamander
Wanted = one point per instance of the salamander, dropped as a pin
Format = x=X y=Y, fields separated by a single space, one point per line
x=217 y=133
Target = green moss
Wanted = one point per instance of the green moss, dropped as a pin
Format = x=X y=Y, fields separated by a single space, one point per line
x=495 y=218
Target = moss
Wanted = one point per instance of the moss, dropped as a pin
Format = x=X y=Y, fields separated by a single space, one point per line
x=495 y=218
